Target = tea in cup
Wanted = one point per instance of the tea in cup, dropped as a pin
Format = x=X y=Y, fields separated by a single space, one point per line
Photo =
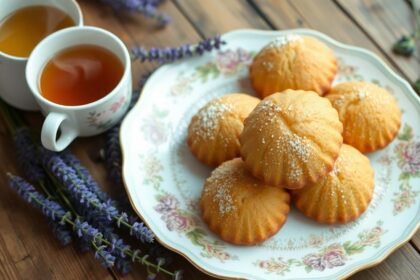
x=81 y=79
x=23 y=24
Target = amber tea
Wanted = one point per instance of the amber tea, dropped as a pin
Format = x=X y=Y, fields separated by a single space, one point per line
x=23 y=29
x=80 y=75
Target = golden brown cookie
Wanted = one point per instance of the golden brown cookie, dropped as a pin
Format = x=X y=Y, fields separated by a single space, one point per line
x=293 y=62
x=341 y=196
x=213 y=134
x=241 y=209
x=370 y=114
x=291 y=138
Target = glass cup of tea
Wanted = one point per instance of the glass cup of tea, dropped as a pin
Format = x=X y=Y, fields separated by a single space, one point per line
x=81 y=79
x=23 y=24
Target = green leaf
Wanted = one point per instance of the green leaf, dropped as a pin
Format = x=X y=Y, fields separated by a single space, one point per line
x=353 y=249
x=194 y=238
x=406 y=133
x=404 y=176
x=200 y=231
x=207 y=70
x=308 y=268
x=376 y=81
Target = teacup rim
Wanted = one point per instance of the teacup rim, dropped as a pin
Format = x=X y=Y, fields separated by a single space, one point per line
x=23 y=59
x=35 y=90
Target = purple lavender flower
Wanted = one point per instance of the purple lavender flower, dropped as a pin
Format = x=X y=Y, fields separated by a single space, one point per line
x=113 y=158
x=145 y=7
x=82 y=196
x=112 y=151
x=53 y=211
x=163 y=55
x=105 y=256
x=123 y=265
x=61 y=232
x=141 y=232
x=119 y=248
x=50 y=209
x=84 y=174
x=27 y=155
x=69 y=178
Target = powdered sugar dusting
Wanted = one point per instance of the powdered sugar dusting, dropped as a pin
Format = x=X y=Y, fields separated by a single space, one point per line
x=268 y=65
x=362 y=93
x=284 y=40
x=223 y=178
x=209 y=119
x=269 y=108
x=287 y=143
x=299 y=150
x=224 y=199
x=299 y=146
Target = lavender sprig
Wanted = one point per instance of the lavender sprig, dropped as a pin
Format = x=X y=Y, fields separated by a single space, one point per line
x=102 y=253
x=112 y=154
x=81 y=194
x=164 y=55
x=145 y=7
x=51 y=209
x=85 y=175
x=112 y=150
x=61 y=232
x=27 y=155
x=105 y=250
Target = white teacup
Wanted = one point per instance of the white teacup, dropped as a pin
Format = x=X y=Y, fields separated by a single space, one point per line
x=84 y=120
x=13 y=87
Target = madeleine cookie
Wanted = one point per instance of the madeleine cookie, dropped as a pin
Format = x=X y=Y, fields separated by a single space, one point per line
x=213 y=134
x=293 y=62
x=341 y=196
x=370 y=114
x=241 y=209
x=291 y=139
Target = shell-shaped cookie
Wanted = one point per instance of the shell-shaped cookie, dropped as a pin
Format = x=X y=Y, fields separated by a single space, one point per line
x=291 y=138
x=341 y=196
x=213 y=133
x=241 y=209
x=370 y=114
x=293 y=62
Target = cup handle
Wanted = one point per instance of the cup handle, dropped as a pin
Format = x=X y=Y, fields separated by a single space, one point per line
x=49 y=132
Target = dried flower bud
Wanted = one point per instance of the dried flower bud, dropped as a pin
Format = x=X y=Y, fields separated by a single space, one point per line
x=405 y=46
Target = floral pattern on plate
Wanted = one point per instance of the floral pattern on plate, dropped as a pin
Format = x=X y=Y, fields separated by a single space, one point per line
x=178 y=220
x=164 y=180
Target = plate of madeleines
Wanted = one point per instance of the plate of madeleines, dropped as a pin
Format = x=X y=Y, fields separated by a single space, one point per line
x=285 y=154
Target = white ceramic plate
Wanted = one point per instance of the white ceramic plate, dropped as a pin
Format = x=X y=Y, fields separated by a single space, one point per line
x=164 y=180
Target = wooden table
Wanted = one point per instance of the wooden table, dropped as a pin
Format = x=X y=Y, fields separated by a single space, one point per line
x=27 y=248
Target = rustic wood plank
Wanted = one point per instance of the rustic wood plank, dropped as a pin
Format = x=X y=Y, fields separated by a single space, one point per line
x=402 y=264
x=319 y=15
x=137 y=31
x=229 y=15
x=140 y=29
x=415 y=241
x=27 y=247
x=19 y=256
x=385 y=21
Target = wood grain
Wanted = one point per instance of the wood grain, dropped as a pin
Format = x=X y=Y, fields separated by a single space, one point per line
x=385 y=21
x=415 y=241
x=324 y=16
x=231 y=15
x=27 y=247
x=402 y=264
